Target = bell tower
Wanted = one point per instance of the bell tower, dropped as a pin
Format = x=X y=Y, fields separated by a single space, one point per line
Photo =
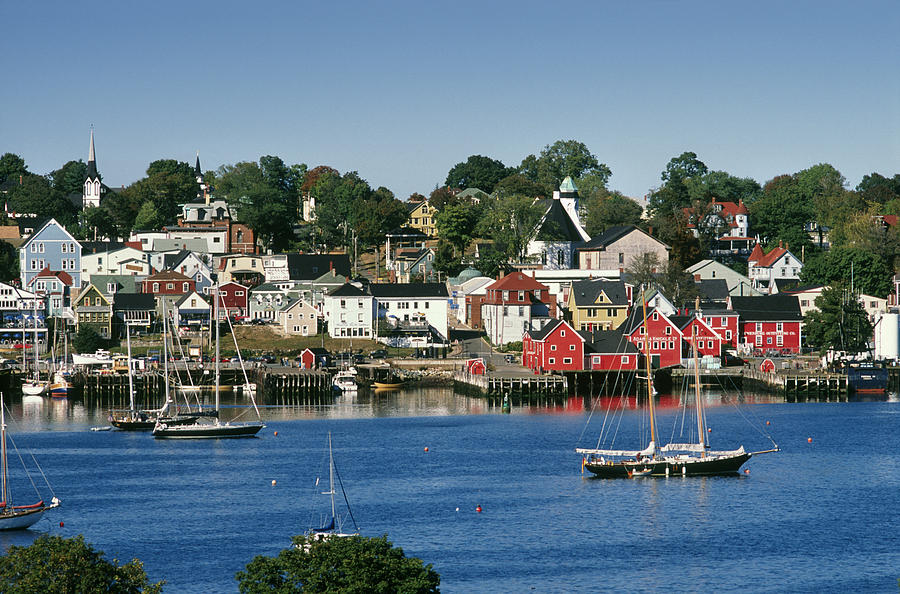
x=92 y=186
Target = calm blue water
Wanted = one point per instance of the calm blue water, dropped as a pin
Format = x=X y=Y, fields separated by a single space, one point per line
x=817 y=517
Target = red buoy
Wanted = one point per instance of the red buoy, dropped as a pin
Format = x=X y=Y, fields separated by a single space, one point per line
x=768 y=423
x=478 y=509
x=809 y=440
x=746 y=471
x=426 y=449
x=61 y=524
x=276 y=434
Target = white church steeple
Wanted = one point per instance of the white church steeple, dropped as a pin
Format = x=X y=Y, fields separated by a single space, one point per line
x=92 y=185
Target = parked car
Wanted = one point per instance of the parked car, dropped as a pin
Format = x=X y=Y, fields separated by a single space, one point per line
x=510 y=358
x=379 y=354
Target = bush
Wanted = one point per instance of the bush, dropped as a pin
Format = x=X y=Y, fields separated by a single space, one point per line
x=56 y=564
x=345 y=564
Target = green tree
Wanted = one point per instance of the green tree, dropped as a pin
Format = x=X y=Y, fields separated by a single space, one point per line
x=36 y=195
x=867 y=272
x=336 y=196
x=351 y=564
x=519 y=185
x=722 y=186
x=840 y=323
x=610 y=209
x=69 y=179
x=478 y=172
x=456 y=224
x=87 y=340
x=148 y=218
x=674 y=195
x=878 y=189
x=9 y=262
x=56 y=564
x=678 y=285
x=560 y=159
x=644 y=270
x=510 y=222
x=12 y=166
x=780 y=213
x=446 y=260
x=377 y=216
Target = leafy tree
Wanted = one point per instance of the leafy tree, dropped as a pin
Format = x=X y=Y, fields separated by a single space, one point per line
x=98 y=222
x=9 y=262
x=673 y=230
x=867 y=272
x=335 y=199
x=478 y=172
x=36 y=195
x=312 y=177
x=644 y=270
x=560 y=159
x=780 y=213
x=877 y=189
x=674 y=195
x=519 y=185
x=678 y=285
x=609 y=210
x=446 y=260
x=492 y=259
x=510 y=222
x=378 y=215
x=11 y=166
x=723 y=187
x=441 y=197
x=456 y=224
x=148 y=217
x=87 y=340
x=351 y=564
x=840 y=323
x=56 y=564
x=69 y=179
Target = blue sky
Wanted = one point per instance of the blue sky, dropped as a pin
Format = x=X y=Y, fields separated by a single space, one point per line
x=402 y=91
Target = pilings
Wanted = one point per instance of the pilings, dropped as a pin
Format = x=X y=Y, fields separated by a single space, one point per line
x=800 y=386
x=492 y=384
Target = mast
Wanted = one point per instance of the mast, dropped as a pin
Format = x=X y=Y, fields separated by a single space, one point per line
x=701 y=426
x=37 y=360
x=4 y=468
x=130 y=374
x=216 y=322
x=649 y=378
x=165 y=353
x=330 y=477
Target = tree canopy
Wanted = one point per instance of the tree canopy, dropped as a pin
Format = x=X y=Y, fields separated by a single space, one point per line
x=478 y=172
x=11 y=165
x=610 y=209
x=866 y=271
x=56 y=564
x=560 y=159
x=840 y=323
x=349 y=564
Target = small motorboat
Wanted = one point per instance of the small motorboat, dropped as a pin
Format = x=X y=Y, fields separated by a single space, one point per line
x=639 y=472
x=345 y=381
x=388 y=385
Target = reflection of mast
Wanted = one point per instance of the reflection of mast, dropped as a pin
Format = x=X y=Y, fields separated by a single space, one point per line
x=649 y=379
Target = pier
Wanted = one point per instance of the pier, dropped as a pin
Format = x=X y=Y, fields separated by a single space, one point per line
x=494 y=384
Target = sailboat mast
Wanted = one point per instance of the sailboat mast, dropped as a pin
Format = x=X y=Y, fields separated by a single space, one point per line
x=330 y=476
x=216 y=322
x=649 y=378
x=165 y=353
x=130 y=374
x=700 y=428
x=37 y=359
x=4 y=468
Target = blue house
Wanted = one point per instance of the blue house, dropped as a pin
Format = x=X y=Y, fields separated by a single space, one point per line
x=51 y=247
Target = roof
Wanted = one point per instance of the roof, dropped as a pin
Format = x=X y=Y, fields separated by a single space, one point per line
x=312 y=266
x=713 y=289
x=543 y=332
x=187 y=296
x=515 y=281
x=134 y=301
x=586 y=292
x=567 y=186
x=767 y=308
x=466 y=275
x=608 y=341
x=348 y=290
x=95 y=247
x=408 y=289
x=62 y=275
x=557 y=225
x=766 y=260
x=612 y=235
x=168 y=275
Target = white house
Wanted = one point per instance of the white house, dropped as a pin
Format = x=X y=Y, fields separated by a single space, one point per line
x=413 y=304
x=349 y=312
x=299 y=318
x=765 y=269
x=738 y=284
x=119 y=260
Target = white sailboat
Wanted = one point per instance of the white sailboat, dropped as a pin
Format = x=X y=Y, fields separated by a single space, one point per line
x=214 y=428
x=333 y=525
x=16 y=517
x=34 y=386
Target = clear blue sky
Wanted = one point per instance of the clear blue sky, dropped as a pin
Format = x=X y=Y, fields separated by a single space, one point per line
x=402 y=91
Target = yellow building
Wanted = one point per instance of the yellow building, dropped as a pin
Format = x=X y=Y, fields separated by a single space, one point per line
x=598 y=304
x=421 y=217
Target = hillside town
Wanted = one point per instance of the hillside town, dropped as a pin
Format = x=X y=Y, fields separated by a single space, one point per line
x=525 y=256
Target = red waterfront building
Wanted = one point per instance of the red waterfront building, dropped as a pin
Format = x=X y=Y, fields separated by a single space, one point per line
x=235 y=299
x=769 y=323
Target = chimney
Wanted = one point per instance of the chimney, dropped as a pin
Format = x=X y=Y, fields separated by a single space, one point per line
x=696 y=278
x=780 y=243
x=21 y=179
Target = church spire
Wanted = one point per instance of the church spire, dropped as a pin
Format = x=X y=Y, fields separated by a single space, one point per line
x=203 y=194
x=92 y=160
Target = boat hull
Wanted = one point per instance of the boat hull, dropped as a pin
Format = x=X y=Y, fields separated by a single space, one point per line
x=711 y=466
x=207 y=431
x=35 y=389
x=127 y=424
x=20 y=519
x=388 y=385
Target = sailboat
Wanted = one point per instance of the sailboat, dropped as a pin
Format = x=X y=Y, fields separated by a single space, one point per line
x=34 y=386
x=215 y=429
x=60 y=386
x=134 y=419
x=674 y=459
x=333 y=526
x=16 y=517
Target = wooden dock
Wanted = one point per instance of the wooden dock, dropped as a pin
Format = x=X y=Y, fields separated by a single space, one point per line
x=494 y=384
x=797 y=386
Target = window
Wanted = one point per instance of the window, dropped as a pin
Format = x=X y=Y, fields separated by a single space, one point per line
x=655 y=345
x=521 y=295
x=610 y=313
x=567 y=360
x=668 y=330
x=759 y=326
x=779 y=326
x=505 y=295
x=170 y=286
x=621 y=259
x=41 y=247
x=552 y=347
x=769 y=340
x=185 y=287
x=343 y=304
x=521 y=311
x=238 y=293
x=551 y=361
x=156 y=287
x=758 y=340
x=728 y=335
x=779 y=340
x=625 y=360
x=562 y=333
x=571 y=347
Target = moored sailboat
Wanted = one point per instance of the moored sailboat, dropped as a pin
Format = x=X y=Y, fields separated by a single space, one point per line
x=33 y=386
x=673 y=459
x=213 y=429
x=16 y=517
x=332 y=527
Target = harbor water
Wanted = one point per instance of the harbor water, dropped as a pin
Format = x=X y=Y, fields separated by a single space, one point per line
x=819 y=516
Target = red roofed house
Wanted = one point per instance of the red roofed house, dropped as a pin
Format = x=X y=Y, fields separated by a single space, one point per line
x=55 y=286
x=727 y=218
x=663 y=334
x=515 y=304
x=765 y=269
x=557 y=347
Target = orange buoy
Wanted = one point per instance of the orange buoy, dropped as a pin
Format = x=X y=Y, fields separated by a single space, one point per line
x=768 y=423
x=61 y=524
x=709 y=429
x=273 y=482
x=809 y=440
x=276 y=434
x=478 y=509
x=426 y=449
x=746 y=471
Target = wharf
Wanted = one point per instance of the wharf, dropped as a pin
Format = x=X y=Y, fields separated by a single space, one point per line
x=799 y=385
x=491 y=384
